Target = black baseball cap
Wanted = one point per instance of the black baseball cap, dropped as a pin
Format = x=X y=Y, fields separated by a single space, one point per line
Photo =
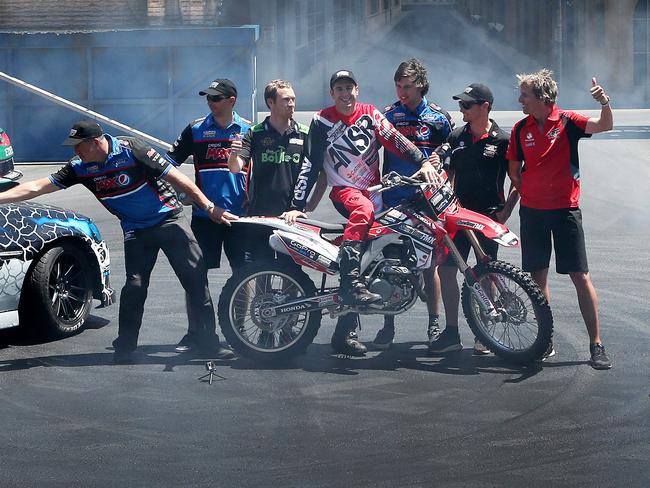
x=220 y=86
x=82 y=130
x=341 y=74
x=474 y=93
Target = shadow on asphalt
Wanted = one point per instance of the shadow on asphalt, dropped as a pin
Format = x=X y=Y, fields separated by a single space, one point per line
x=407 y=355
x=163 y=355
x=410 y=355
x=19 y=336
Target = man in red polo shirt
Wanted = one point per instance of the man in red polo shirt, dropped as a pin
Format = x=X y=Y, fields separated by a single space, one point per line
x=546 y=142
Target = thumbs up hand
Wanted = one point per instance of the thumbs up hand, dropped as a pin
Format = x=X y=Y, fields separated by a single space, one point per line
x=598 y=92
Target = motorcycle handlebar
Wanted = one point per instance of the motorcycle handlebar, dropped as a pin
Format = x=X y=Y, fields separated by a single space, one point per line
x=393 y=179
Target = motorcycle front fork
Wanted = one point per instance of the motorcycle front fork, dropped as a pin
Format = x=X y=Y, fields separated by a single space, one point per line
x=483 y=297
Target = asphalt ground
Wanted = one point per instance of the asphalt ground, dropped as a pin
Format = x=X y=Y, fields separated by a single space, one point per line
x=70 y=417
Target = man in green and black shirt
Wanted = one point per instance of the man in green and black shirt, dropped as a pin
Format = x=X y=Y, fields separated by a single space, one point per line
x=272 y=150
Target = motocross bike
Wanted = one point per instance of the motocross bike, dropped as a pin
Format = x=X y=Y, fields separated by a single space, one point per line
x=269 y=310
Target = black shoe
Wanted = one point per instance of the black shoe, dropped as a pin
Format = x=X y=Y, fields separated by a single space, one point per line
x=384 y=338
x=359 y=295
x=220 y=352
x=185 y=345
x=348 y=345
x=447 y=341
x=353 y=291
x=122 y=357
x=599 y=358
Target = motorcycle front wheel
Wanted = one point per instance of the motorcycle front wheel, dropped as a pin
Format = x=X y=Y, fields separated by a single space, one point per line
x=521 y=328
x=243 y=300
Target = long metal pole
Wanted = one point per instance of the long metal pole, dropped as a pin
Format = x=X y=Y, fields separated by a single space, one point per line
x=78 y=108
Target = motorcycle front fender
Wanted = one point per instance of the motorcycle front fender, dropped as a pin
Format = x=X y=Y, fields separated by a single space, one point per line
x=470 y=220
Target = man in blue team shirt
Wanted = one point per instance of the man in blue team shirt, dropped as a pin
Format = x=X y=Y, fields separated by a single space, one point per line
x=208 y=140
x=427 y=126
x=134 y=183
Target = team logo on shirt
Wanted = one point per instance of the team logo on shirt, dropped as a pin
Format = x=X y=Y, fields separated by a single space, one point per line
x=279 y=156
x=530 y=140
x=105 y=183
x=123 y=179
x=267 y=141
x=335 y=132
x=216 y=152
x=489 y=151
x=354 y=141
x=120 y=161
x=553 y=134
x=420 y=132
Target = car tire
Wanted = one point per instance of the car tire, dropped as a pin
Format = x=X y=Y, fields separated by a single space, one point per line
x=58 y=292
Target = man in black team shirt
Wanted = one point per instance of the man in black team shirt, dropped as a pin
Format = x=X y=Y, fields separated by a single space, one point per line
x=477 y=168
x=272 y=150
x=134 y=183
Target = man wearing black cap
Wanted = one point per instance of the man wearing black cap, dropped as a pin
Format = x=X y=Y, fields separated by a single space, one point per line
x=477 y=169
x=134 y=183
x=344 y=142
x=208 y=140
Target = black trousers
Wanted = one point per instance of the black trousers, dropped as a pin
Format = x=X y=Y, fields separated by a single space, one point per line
x=174 y=237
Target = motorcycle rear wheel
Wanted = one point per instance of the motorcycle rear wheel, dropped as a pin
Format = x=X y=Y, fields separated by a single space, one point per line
x=248 y=292
x=522 y=331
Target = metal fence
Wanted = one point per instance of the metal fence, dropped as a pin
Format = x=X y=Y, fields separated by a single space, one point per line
x=148 y=79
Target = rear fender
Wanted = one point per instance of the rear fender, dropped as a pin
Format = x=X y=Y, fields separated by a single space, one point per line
x=470 y=220
x=298 y=228
x=306 y=250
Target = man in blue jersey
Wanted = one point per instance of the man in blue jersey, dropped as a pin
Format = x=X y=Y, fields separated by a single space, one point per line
x=208 y=140
x=134 y=183
x=426 y=125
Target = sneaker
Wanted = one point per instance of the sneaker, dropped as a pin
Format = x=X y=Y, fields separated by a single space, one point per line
x=550 y=352
x=447 y=341
x=479 y=348
x=384 y=338
x=433 y=332
x=599 y=358
x=348 y=345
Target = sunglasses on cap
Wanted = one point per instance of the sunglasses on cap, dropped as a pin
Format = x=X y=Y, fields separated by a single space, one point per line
x=215 y=98
x=468 y=105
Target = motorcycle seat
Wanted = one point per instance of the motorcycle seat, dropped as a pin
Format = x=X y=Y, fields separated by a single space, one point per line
x=325 y=228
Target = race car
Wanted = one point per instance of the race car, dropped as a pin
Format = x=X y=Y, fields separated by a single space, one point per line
x=53 y=262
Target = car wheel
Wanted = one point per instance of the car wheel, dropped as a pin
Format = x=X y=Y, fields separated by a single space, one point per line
x=59 y=291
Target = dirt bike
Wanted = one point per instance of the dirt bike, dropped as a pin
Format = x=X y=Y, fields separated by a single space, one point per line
x=270 y=310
